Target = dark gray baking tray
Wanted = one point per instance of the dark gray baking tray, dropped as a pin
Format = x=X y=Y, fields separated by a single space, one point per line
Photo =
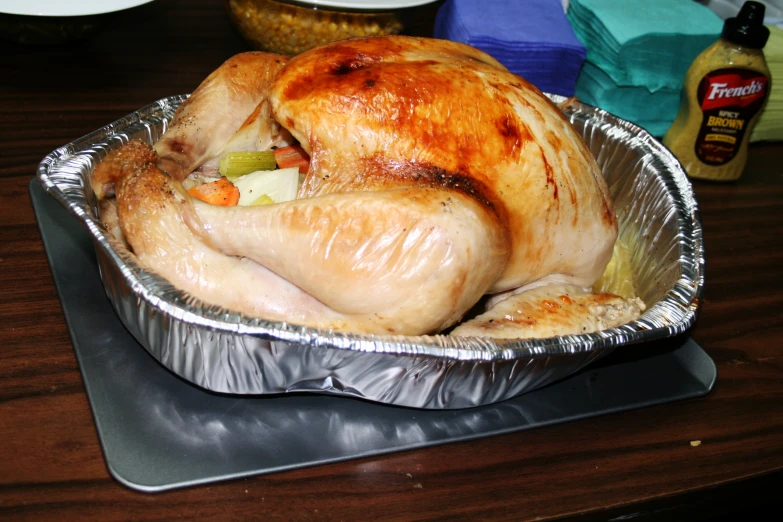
x=160 y=432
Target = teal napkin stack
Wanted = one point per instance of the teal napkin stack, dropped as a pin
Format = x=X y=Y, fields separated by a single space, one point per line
x=638 y=52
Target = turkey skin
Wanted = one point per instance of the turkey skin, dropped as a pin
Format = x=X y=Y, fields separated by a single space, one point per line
x=435 y=177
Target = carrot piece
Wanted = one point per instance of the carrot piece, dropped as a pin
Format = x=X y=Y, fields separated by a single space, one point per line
x=221 y=192
x=292 y=156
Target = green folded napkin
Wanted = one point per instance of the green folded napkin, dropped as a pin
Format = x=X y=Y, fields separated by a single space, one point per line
x=643 y=42
x=652 y=110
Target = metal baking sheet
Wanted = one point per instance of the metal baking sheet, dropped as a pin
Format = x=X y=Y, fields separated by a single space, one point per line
x=159 y=432
x=223 y=351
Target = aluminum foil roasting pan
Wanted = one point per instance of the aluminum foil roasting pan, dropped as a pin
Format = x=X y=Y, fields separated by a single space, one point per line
x=225 y=352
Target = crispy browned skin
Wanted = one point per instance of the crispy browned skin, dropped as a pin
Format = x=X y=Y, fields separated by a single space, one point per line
x=552 y=310
x=117 y=164
x=399 y=111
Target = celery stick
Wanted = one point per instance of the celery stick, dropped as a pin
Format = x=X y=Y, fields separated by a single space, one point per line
x=236 y=164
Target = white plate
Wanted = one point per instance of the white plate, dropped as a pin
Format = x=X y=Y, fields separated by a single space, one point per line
x=368 y=4
x=66 y=7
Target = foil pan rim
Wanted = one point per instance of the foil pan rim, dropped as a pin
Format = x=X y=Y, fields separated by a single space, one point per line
x=673 y=315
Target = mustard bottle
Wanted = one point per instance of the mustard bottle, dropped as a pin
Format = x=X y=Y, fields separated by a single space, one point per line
x=724 y=91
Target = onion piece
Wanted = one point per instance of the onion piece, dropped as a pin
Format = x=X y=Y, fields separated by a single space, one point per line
x=280 y=185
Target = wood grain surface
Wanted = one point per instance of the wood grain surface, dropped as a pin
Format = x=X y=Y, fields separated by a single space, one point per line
x=636 y=465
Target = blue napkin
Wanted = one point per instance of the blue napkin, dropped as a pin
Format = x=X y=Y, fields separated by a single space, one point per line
x=532 y=38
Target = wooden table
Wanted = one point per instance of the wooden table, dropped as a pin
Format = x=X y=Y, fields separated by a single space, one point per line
x=638 y=465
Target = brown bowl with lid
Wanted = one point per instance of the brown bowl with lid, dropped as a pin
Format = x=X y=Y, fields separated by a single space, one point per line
x=290 y=27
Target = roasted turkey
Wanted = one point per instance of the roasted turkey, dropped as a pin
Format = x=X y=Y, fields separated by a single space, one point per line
x=436 y=177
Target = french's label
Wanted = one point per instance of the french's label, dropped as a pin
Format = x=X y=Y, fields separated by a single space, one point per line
x=729 y=98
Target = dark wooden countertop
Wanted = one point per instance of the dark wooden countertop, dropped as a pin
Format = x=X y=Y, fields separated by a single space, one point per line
x=636 y=465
